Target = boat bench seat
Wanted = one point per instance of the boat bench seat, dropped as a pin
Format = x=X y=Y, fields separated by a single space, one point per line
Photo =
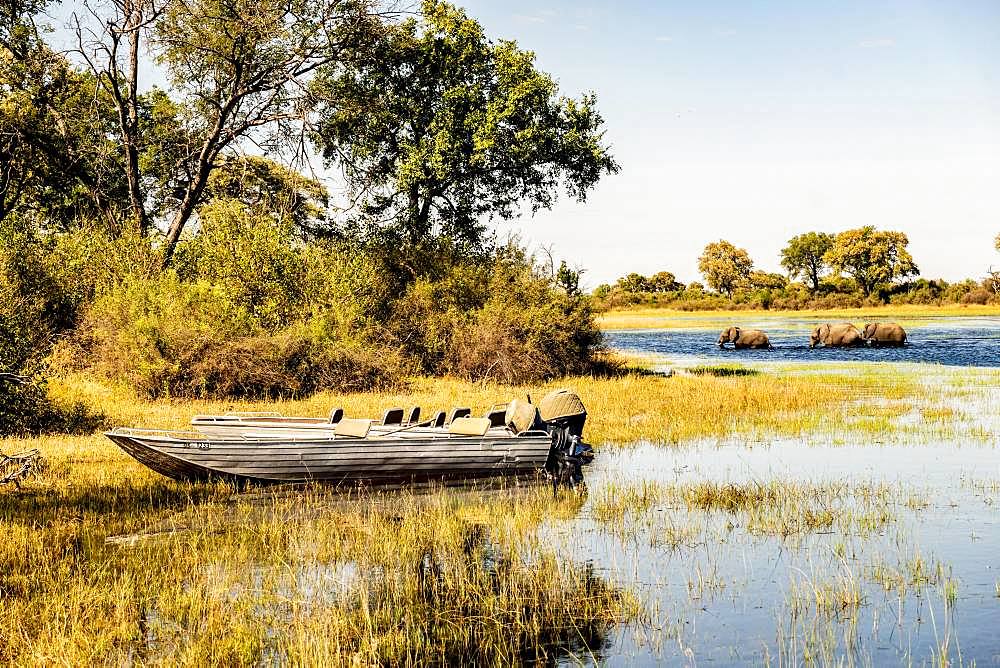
x=414 y=415
x=354 y=427
x=469 y=426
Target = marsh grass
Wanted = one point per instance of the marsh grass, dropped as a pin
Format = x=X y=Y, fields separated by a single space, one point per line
x=778 y=508
x=624 y=409
x=838 y=598
x=194 y=574
x=296 y=576
x=722 y=371
x=911 y=574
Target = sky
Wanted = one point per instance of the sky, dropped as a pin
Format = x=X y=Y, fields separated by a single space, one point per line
x=756 y=121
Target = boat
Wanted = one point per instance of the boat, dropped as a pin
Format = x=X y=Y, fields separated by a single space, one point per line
x=544 y=440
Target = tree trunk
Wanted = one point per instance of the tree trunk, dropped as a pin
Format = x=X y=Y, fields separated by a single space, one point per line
x=131 y=127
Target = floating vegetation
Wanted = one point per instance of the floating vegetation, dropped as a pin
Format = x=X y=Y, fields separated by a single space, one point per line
x=723 y=371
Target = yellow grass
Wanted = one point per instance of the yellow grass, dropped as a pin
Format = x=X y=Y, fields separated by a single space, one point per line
x=622 y=410
x=662 y=317
x=284 y=577
x=776 y=507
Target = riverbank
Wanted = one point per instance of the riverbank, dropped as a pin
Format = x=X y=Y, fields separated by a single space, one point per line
x=658 y=318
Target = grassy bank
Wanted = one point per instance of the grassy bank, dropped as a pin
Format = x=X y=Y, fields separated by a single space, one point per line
x=650 y=318
x=714 y=402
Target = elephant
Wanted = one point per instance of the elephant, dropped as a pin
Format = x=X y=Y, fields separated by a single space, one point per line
x=744 y=338
x=841 y=334
x=884 y=334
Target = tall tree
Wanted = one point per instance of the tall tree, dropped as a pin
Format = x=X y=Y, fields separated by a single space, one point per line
x=112 y=51
x=803 y=256
x=239 y=73
x=872 y=257
x=265 y=185
x=724 y=266
x=633 y=282
x=442 y=128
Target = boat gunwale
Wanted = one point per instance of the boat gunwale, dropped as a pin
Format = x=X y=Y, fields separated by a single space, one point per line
x=182 y=436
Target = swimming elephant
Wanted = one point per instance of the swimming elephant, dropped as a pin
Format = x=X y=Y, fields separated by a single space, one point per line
x=841 y=334
x=744 y=338
x=884 y=334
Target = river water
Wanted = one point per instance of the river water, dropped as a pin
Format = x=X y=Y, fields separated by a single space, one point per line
x=744 y=615
x=726 y=596
x=948 y=341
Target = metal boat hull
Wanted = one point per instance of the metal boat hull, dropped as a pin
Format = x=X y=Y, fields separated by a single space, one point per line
x=375 y=460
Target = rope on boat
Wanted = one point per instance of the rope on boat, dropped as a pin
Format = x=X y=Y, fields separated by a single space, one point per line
x=20 y=466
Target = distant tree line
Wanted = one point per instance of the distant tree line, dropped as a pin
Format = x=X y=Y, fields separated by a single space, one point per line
x=852 y=268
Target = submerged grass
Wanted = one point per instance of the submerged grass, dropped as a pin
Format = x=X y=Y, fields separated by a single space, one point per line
x=779 y=508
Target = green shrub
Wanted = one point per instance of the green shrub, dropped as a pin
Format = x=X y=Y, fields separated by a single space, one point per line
x=979 y=295
x=252 y=258
x=168 y=337
x=527 y=330
x=281 y=365
x=425 y=319
x=35 y=306
x=26 y=409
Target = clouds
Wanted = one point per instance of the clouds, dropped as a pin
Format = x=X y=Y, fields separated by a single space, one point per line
x=877 y=43
x=540 y=16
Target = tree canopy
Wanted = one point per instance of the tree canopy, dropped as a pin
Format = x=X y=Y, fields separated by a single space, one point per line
x=238 y=75
x=442 y=128
x=724 y=266
x=54 y=144
x=873 y=258
x=803 y=256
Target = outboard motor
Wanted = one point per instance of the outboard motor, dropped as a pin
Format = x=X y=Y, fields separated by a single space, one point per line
x=564 y=415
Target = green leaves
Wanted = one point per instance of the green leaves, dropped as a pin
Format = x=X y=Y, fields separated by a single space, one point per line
x=725 y=267
x=803 y=256
x=441 y=129
x=872 y=257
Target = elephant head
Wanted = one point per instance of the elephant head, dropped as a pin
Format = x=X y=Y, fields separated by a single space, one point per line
x=729 y=335
x=870 y=330
x=819 y=335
